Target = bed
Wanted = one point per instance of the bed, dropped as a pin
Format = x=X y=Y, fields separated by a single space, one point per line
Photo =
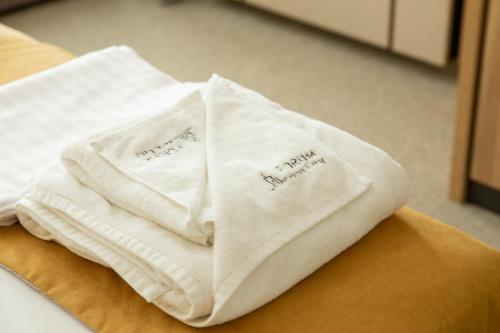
x=410 y=274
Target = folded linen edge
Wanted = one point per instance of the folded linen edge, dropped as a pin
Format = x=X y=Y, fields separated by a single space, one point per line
x=35 y=218
x=8 y=211
x=271 y=245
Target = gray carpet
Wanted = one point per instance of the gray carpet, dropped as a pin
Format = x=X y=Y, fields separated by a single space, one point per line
x=402 y=106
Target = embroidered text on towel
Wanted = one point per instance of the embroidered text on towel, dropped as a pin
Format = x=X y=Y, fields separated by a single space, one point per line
x=169 y=147
x=293 y=168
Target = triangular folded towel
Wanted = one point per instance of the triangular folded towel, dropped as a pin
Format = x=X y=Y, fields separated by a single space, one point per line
x=42 y=113
x=280 y=193
x=155 y=168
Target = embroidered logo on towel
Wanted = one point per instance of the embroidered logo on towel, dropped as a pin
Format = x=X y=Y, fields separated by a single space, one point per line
x=169 y=147
x=293 y=168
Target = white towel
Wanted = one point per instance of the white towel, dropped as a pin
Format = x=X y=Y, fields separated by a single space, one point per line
x=285 y=194
x=42 y=113
x=155 y=168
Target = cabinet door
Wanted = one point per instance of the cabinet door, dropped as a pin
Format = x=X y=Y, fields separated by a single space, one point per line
x=485 y=167
x=366 y=20
x=422 y=29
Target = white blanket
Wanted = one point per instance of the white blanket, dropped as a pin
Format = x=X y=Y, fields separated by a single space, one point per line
x=281 y=193
x=42 y=113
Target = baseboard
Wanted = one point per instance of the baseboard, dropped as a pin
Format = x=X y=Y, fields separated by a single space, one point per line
x=484 y=196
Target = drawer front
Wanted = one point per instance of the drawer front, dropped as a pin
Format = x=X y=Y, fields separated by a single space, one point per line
x=422 y=29
x=366 y=20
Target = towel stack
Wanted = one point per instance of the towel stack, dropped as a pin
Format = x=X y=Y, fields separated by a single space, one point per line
x=42 y=113
x=211 y=200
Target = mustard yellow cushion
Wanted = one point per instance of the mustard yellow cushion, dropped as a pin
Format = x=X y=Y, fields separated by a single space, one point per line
x=410 y=274
x=21 y=55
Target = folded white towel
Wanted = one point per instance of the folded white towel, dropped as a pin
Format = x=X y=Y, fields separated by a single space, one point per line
x=283 y=193
x=42 y=113
x=155 y=168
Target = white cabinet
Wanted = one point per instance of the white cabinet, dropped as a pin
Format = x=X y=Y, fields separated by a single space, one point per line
x=421 y=29
x=366 y=20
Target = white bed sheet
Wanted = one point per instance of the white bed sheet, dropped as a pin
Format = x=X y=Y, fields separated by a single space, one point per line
x=24 y=309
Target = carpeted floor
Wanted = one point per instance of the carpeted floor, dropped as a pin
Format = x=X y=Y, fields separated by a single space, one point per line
x=405 y=107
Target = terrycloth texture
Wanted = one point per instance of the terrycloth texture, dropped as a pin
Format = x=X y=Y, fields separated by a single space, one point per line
x=410 y=274
x=279 y=188
x=42 y=113
x=157 y=168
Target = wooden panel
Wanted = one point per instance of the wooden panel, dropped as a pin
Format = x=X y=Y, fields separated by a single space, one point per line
x=485 y=167
x=366 y=20
x=470 y=46
x=422 y=29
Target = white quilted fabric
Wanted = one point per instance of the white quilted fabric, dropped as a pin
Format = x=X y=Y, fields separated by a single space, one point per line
x=44 y=112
